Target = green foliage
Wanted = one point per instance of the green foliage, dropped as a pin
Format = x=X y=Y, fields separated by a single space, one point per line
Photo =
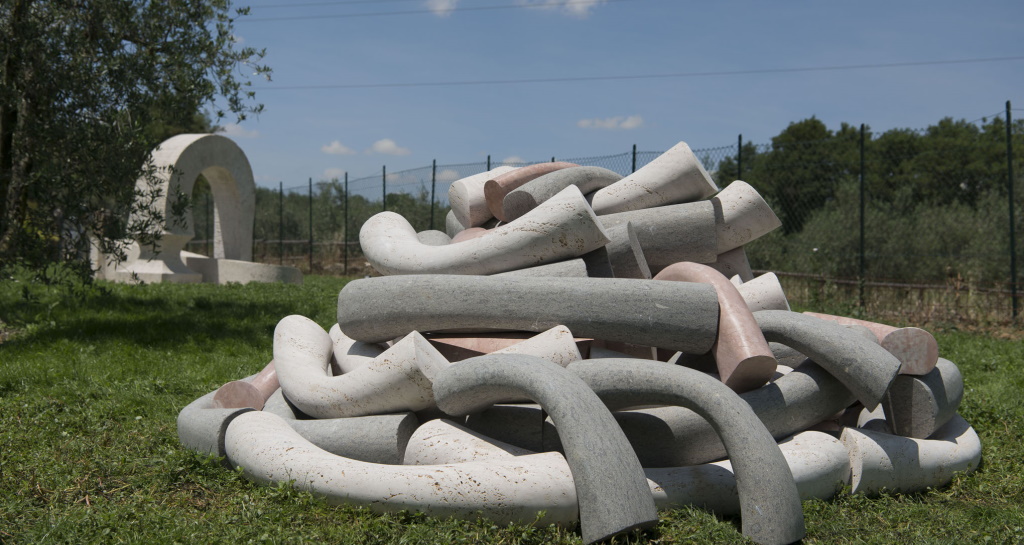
x=87 y=90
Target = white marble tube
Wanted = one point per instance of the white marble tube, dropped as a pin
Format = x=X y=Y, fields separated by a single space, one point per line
x=503 y=491
x=563 y=227
x=350 y=353
x=673 y=177
x=397 y=380
x=468 y=200
x=741 y=215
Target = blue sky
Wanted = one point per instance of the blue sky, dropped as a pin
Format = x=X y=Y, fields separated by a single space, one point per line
x=307 y=131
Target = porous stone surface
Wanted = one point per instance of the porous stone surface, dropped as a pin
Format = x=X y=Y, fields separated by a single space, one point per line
x=741 y=353
x=917 y=406
x=202 y=427
x=467 y=199
x=676 y=315
x=764 y=292
x=673 y=177
x=565 y=227
x=914 y=347
x=864 y=367
x=741 y=216
x=348 y=354
x=252 y=392
x=496 y=188
x=588 y=179
x=610 y=484
x=667 y=235
x=769 y=500
x=433 y=238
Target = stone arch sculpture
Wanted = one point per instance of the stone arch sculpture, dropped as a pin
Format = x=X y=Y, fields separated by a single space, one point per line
x=178 y=162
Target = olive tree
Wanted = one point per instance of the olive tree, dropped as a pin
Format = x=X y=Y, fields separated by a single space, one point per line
x=87 y=89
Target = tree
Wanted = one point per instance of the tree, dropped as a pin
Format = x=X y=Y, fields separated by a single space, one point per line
x=88 y=88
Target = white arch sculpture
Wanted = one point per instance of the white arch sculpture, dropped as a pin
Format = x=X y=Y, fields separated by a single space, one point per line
x=178 y=162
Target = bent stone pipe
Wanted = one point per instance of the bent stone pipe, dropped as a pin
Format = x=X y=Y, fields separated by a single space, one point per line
x=903 y=464
x=673 y=177
x=397 y=380
x=610 y=485
x=202 y=428
x=467 y=199
x=529 y=196
x=914 y=347
x=733 y=264
x=379 y=439
x=864 y=367
x=675 y=315
x=350 y=353
x=818 y=461
x=677 y=436
x=252 y=392
x=764 y=293
x=433 y=238
x=769 y=500
x=625 y=253
x=741 y=354
x=564 y=227
x=916 y=406
x=741 y=215
x=667 y=235
x=556 y=345
x=495 y=189
x=504 y=491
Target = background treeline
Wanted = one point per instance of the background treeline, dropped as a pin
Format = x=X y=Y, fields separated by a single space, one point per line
x=935 y=202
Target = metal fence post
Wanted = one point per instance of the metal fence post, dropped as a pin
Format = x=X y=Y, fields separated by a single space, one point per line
x=1013 y=226
x=311 y=226
x=384 y=185
x=860 y=279
x=346 y=223
x=488 y=162
x=280 y=222
x=433 y=190
x=634 y=158
x=209 y=226
x=739 y=158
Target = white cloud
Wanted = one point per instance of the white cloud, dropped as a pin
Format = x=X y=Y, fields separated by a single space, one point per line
x=337 y=148
x=575 y=8
x=447 y=175
x=237 y=39
x=514 y=160
x=613 y=123
x=332 y=173
x=387 y=146
x=442 y=7
x=233 y=130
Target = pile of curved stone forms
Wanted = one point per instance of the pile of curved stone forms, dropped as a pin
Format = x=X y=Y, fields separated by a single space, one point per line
x=594 y=348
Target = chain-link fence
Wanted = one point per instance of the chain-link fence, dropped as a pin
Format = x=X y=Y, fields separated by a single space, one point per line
x=907 y=221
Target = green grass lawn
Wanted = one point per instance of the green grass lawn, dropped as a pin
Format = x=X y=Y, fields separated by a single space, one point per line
x=90 y=388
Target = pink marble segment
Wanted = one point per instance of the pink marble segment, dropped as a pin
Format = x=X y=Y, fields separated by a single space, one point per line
x=496 y=188
x=253 y=393
x=741 y=353
x=914 y=347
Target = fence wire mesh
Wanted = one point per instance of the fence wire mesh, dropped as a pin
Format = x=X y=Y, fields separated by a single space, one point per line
x=907 y=214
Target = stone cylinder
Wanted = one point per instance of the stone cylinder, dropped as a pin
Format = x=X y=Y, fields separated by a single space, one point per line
x=673 y=177
x=589 y=179
x=496 y=188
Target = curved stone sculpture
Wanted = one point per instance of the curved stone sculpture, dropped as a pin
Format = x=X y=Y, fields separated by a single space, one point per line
x=675 y=315
x=564 y=228
x=902 y=464
x=764 y=293
x=379 y=438
x=769 y=500
x=741 y=215
x=733 y=264
x=914 y=347
x=433 y=238
x=495 y=189
x=556 y=345
x=742 y=355
x=589 y=179
x=202 y=427
x=673 y=177
x=917 y=406
x=667 y=235
x=467 y=199
x=865 y=368
x=269 y=451
x=445 y=442
x=350 y=353
x=610 y=485
x=397 y=380
x=248 y=393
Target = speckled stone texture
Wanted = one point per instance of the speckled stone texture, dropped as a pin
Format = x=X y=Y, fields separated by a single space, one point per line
x=613 y=493
x=675 y=315
x=667 y=235
x=673 y=177
x=496 y=188
x=588 y=179
x=864 y=367
x=467 y=199
x=914 y=347
x=769 y=500
x=916 y=406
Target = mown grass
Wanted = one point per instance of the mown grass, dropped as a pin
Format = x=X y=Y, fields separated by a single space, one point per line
x=90 y=387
